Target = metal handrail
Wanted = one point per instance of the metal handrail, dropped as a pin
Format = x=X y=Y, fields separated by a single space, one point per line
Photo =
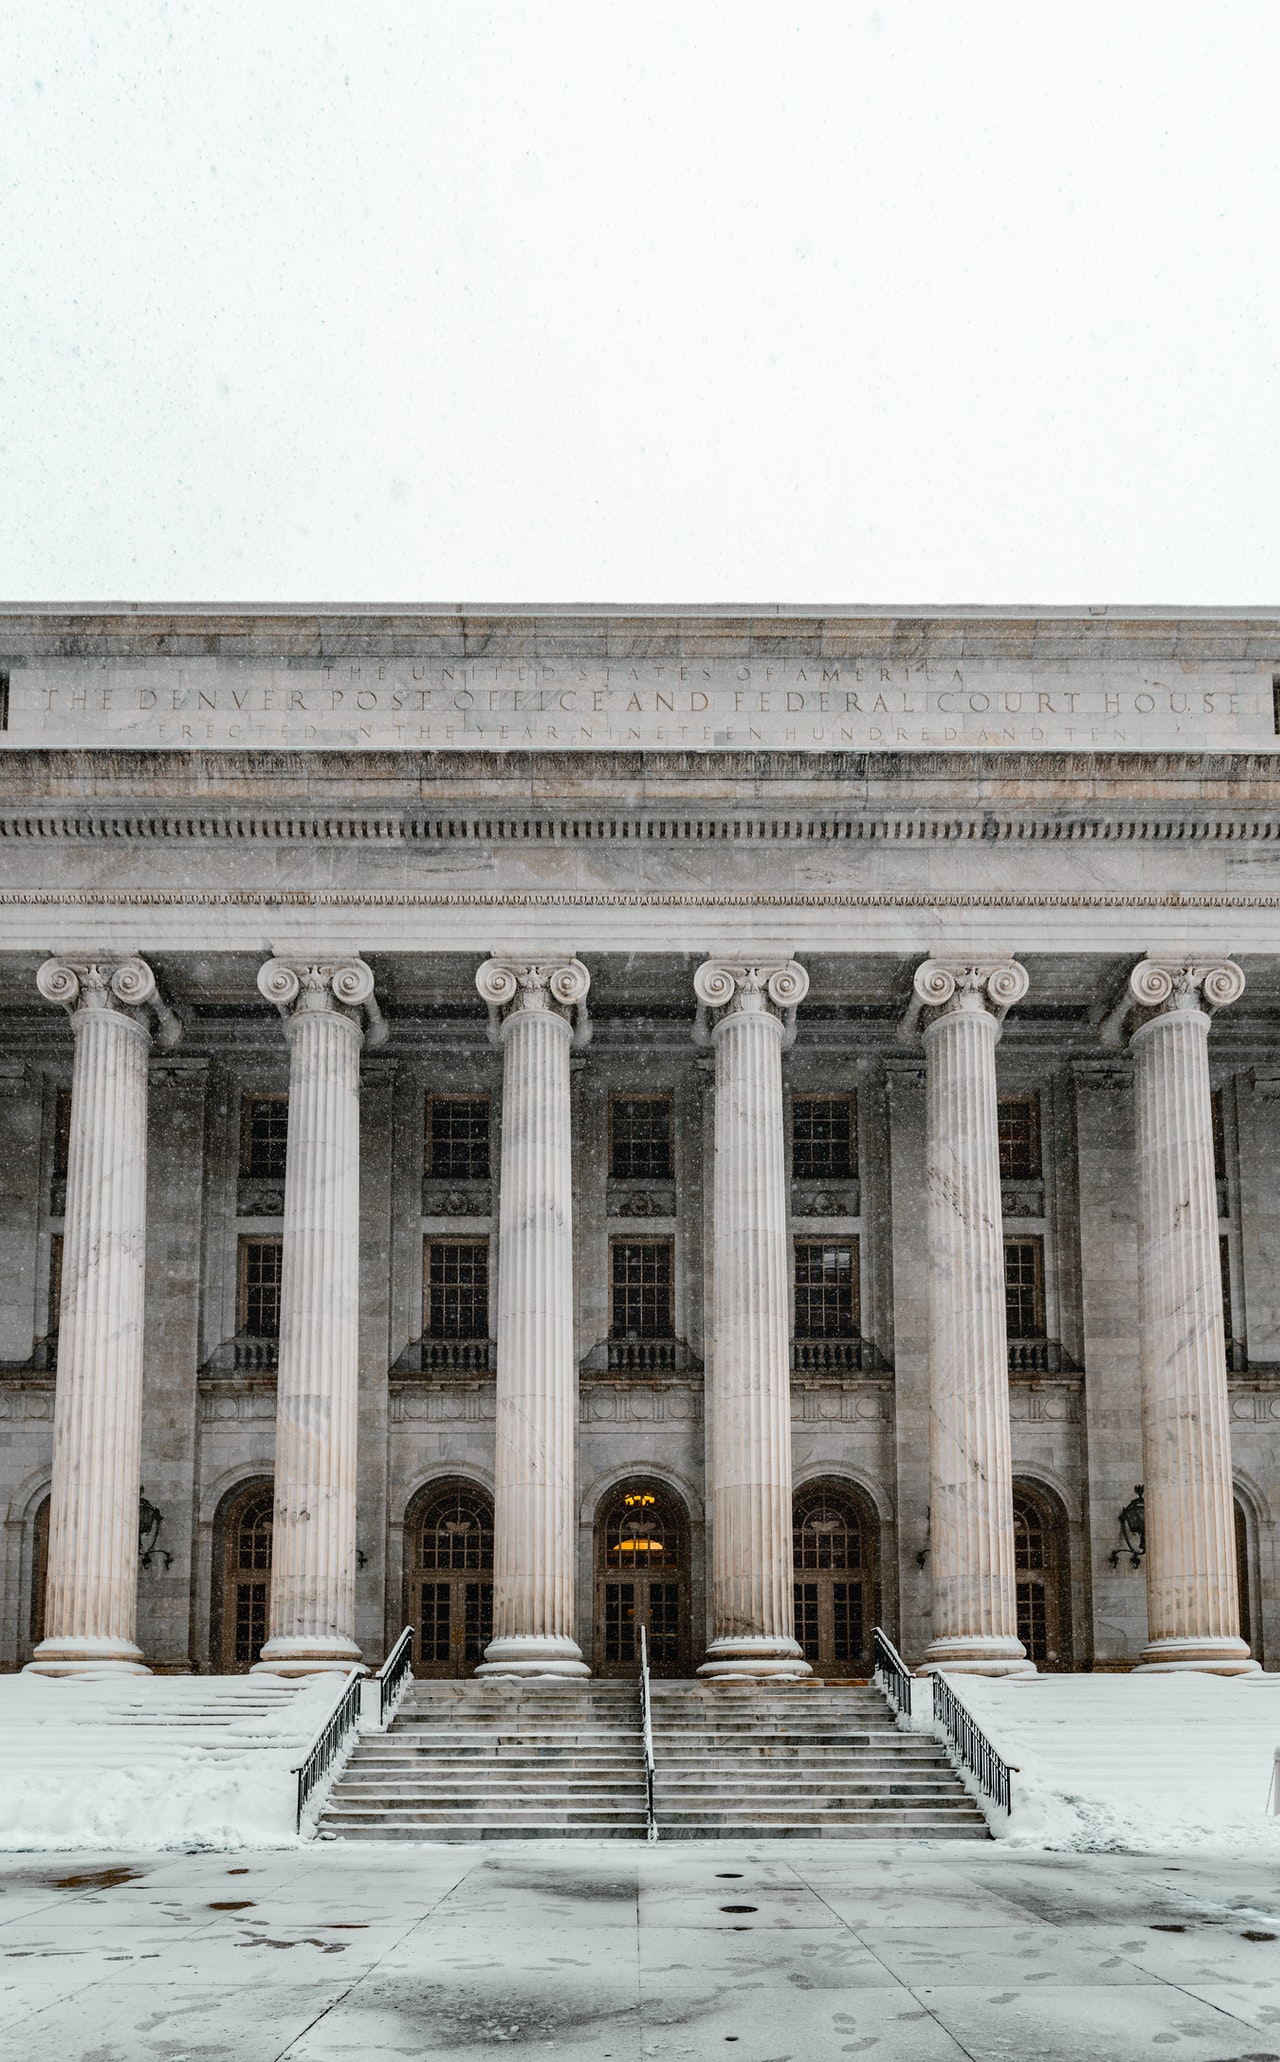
x=342 y=1721
x=646 y=1714
x=890 y=1671
x=970 y=1745
x=395 y=1672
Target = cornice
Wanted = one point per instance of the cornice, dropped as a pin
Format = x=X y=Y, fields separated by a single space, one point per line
x=623 y=898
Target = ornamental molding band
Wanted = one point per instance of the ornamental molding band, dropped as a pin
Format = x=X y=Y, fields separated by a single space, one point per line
x=773 y=989
x=558 y=987
x=343 y=987
x=947 y=987
x=126 y=987
x=1163 y=983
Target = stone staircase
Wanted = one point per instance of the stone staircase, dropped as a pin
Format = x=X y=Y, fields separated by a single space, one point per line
x=797 y=1760
x=509 y=1761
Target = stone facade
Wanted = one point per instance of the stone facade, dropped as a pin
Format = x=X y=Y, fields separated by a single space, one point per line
x=621 y=893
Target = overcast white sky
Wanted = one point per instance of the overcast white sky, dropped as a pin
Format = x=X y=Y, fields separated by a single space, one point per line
x=418 y=300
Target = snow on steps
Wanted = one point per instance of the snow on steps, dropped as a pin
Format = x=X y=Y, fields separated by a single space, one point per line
x=1134 y=1762
x=153 y=1761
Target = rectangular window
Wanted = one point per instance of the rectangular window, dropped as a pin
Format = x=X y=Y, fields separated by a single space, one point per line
x=1018 y=1117
x=823 y=1138
x=641 y=1290
x=264 y=1135
x=457 y=1274
x=640 y=1138
x=826 y=1289
x=1024 y=1288
x=61 y=1134
x=260 y=1265
x=458 y=1137
x=1224 y=1263
x=1219 y=1137
x=55 y=1283
x=4 y=698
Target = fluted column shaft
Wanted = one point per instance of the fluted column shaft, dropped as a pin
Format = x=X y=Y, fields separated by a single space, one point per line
x=975 y=1602
x=313 y=1550
x=749 y=1385
x=91 y=1596
x=1193 y=1613
x=537 y=1381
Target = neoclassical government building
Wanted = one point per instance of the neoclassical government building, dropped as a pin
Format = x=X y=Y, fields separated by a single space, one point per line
x=535 y=1124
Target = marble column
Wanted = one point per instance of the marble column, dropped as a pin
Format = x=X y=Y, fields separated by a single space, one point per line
x=313 y=1552
x=92 y=1591
x=747 y=1015
x=1193 y=1612
x=537 y=1012
x=961 y=1004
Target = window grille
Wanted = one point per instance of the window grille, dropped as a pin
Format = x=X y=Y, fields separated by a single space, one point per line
x=641 y=1290
x=261 y=1262
x=828 y=1533
x=458 y=1137
x=826 y=1289
x=1024 y=1288
x=639 y=1535
x=1032 y=1569
x=251 y=1576
x=1018 y=1117
x=457 y=1289
x=823 y=1138
x=640 y=1135
x=456 y=1531
x=264 y=1136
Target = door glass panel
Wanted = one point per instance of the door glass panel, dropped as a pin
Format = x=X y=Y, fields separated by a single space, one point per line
x=479 y=1606
x=619 y=1621
x=807 y=1619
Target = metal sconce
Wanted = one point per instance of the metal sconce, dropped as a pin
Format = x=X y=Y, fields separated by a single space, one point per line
x=149 y=1522
x=1133 y=1530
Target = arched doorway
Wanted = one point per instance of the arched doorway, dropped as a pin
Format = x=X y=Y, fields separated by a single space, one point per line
x=242 y=1577
x=39 y=1569
x=1243 y=1584
x=834 y=1560
x=1041 y=1565
x=449 y=1600
x=642 y=1579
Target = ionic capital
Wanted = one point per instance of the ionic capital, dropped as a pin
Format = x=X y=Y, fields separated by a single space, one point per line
x=343 y=987
x=554 y=987
x=126 y=987
x=774 y=989
x=1163 y=984
x=957 y=987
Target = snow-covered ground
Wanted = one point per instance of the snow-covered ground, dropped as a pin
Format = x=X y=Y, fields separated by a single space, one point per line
x=1145 y=1763
x=153 y=1761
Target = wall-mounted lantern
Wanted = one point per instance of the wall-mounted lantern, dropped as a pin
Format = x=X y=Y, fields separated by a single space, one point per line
x=149 y=1522
x=1133 y=1530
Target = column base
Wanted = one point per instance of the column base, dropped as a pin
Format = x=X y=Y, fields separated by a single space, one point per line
x=754 y=1659
x=295 y=1657
x=977 y=1656
x=534 y=1654
x=87 y=1657
x=1206 y=1656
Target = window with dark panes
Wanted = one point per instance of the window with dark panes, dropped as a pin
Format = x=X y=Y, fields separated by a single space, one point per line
x=458 y=1137
x=1018 y=1117
x=641 y=1289
x=55 y=1281
x=62 y=1134
x=1224 y=1263
x=1024 y=1288
x=1219 y=1137
x=640 y=1138
x=826 y=1289
x=457 y=1274
x=261 y=1261
x=823 y=1138
x=264 y=1136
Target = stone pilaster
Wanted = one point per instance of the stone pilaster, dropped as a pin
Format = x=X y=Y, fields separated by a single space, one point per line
x=537 y=1012
x=313 y=1559
x=747 y=1014
x=92 y=1594
x=975 y=1609
x=1193 y=1612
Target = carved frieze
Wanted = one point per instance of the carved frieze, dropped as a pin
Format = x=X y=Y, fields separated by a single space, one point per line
x=1044 y=1403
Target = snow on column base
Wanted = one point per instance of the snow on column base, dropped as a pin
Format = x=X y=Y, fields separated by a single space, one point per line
x=290 y=1657
x=755 y=1659
x=534 y=1654
x=977 y=1656
x=1207 y=1656
x=84 y=1656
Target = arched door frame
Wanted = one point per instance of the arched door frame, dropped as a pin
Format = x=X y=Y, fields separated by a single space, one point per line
x=461 y=1610
x=1254 y=1517
x=1060 y=1588
x=222 y=1606
x=667 y=1617
x=831 y=1579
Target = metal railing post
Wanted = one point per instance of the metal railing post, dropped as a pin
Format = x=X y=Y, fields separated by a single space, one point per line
x=646 y=1715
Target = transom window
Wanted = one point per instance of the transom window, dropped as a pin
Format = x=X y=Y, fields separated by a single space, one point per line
x=823 y=1138
x=826 y=1289
x=456 y=1530
x=458 y=1137
x=641 y=1289
x=261 y=1261
x=828 y=1532
x=640 y=1138
x=640 y=1534
x=1024 y=1288
x=1018 y=1117
x=264 y=1136
x=457 y=1275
